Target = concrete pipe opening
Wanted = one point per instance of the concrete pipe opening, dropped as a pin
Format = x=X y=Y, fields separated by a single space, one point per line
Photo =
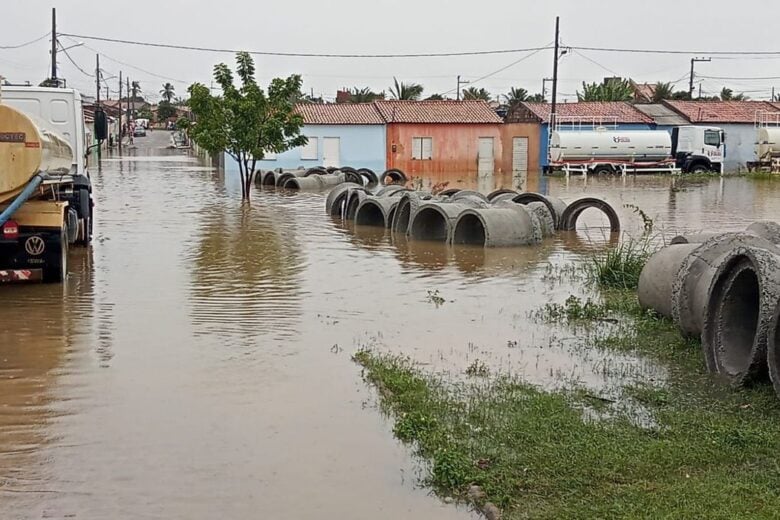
x=470 y=230
x=334 y=202
x=402 y=216
x=282 y=179
x=370 y=214
x=353 y=201
x=269 y=179
x=573 y=211
x=431 y=224
x=739 y=319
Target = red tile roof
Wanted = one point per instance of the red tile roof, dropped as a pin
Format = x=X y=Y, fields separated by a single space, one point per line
x=600 y=111
x=446 y=111
x=721 y=111
x=340 y=114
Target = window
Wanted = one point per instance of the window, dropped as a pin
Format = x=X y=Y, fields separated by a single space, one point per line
x=310 y=151
x=422 y=148
x=712 y=137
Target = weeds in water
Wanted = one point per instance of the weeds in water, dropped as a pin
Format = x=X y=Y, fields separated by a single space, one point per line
x=477 y=369
x=762 y=176
x=435 y=298
x=573 y=310
x=620 y=267
x=647 y=221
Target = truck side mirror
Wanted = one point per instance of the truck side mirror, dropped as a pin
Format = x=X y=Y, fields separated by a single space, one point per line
x=101 y=125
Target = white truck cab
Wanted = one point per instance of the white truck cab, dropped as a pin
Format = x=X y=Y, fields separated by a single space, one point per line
x=699 y=149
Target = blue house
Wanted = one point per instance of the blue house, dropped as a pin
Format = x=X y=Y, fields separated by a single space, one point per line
x=341 y=134
x=579 y=116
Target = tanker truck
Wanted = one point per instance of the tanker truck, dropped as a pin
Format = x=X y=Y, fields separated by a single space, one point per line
x=45 y=191
x=687 y=149
x=767 y=149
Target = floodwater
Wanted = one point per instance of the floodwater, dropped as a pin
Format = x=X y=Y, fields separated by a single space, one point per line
x=197 y=362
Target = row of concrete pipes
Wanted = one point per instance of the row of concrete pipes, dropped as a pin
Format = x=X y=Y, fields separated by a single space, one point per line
x=725 y=290
x=504 y=218
x=321 y=178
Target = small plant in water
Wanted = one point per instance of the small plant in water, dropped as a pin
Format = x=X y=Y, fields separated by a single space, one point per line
x=435 y=298
x=648 y=222
x=478 y=369
x=620 y=267
x=574 y=309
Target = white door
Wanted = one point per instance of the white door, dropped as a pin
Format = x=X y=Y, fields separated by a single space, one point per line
x=330 y=151
x=520 y=155
x=486 y=161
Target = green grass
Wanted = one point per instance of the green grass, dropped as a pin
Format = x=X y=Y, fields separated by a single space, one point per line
x=711 y=452
x=620 y=267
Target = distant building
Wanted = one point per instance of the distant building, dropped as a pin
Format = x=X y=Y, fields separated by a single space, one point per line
x=738 y=120
x=643 y=92
x=455 y=137
x=577 y=117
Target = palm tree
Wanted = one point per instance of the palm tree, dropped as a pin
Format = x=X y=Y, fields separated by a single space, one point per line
x=364 y=95
x=408 y=91
x=536 y=98
x=135 y=88
x=435 y=97
x=727 y=94
x=515 y=96
x=663 y=91
x=476 y=93
x=168 y=92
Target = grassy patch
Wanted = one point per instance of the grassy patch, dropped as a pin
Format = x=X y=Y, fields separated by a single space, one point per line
x=711 y=451
x=620 y=267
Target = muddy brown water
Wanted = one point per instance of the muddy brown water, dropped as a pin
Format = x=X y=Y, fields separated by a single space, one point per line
x=197 y=362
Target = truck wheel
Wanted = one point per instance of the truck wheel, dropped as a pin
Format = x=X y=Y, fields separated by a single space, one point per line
x=56 y=271
x=699 y=169
x=603 y=170
x=85 y=211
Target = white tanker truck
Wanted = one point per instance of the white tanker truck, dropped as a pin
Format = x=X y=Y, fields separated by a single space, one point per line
x=45 y=191
x=767 y=149
x=687 y=149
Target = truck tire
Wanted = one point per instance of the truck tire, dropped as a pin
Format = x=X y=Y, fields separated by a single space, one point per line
x=603 y=169
x=57 y=271
x=85 y=212
x=699 y=169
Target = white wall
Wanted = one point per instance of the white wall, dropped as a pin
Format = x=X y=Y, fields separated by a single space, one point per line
x=740 y=145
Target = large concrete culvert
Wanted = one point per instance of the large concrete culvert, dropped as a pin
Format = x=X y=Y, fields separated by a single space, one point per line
x=742 y=300
x=658 y=276
x=432 y=223
x=573 y=211
x=556 y=206
x=773 y=349
x=268 y=178
x=376 y=212
x=504 y=225
x=334 y=203
x=692 y=282
x=407 y=207
x=354 y=198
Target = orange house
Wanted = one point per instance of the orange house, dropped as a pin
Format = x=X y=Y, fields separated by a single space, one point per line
x=456 y=138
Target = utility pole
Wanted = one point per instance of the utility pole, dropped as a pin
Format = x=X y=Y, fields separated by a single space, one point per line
x=129 y=100
x=461 y=82
x=97 y=99
x=554 y=104
x=545 y=81
x=119 y=138
x=694 y=61
x=54 y=46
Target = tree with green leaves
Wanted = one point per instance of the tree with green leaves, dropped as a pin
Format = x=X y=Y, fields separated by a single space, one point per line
x=165 y=111
x=407 y=91
x=246 y=122
x=168 y=92
x=536 y=98
x=515 y=96
x=364 y=95
x=135 y=89
x=663 y=91
x=727 y=94
x=435 y=97
x=476 y=93
x=613 y=89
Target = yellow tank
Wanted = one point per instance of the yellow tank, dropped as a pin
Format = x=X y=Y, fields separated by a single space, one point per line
x=26 y=148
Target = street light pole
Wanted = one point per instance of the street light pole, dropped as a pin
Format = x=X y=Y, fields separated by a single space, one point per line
x=694 y=61
x=54 y=46
x=461 y=82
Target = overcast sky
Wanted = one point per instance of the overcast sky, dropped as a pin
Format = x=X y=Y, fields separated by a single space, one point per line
x=398 y=26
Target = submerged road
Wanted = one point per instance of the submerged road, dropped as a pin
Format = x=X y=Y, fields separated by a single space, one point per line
x=196 y=364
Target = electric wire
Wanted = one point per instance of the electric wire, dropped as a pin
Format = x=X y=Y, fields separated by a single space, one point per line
x=25 y=44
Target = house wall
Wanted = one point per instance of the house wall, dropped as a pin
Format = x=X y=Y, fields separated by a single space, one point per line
x=545 y=136
x=361 y=146
x=740 y=145
x=455 y=149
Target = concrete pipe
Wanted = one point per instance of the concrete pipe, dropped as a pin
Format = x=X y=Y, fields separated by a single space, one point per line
x=573 y=211
x=391 y=191
x=690 y=289
x=658 y=276
x=282 y=178
x=370 y=178
x=434 y=221
x=766 y=229
x=468 y=194
x=693 y=238
x=546 y=220
x=317 y=170
x=503 y=197
x=503 y=225
x=376 y=211
x=313 y=183
x=773 y=350
x=449 y=193
x=393 y=176
x=354 y=198
x=555 y=205
x=268 y=179
x=743 y=297
x=335 y=201
x=497 y=193
x=408 y=204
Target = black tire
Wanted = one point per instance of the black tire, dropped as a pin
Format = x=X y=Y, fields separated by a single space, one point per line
x=56 y=269
x=316 y=171
x=85 y=211
x=699 y=169
x=331 y=169
x=603 y=170
x=372 y=181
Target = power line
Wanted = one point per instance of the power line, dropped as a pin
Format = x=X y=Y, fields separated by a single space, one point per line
x=304 y=54
x=502 y=69
x=64 y=51
x=25 y=44
x=581 y=55
x=663 y=51
x=765 y=78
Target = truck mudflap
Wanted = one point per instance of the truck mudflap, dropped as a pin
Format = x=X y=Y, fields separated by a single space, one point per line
x=21 y=275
